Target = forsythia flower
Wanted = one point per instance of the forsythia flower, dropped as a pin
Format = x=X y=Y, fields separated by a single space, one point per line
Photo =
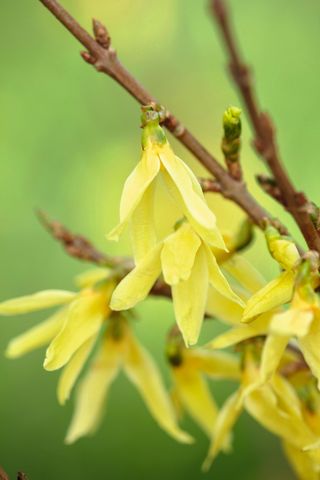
x=71 y=332
x=188 y=266
x=276 y=406
x=190 y=391
x=158 y=160
x=278 y=291
x=120 y=350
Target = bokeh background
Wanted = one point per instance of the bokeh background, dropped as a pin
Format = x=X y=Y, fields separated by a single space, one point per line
x=68 y=139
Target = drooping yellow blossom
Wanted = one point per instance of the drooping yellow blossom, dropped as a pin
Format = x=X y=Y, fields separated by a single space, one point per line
x=189 y=367
x=188 y=266
x=276 y=406
x=121 y=350
x=278 y=291
x=71 y=331
x=158 y=160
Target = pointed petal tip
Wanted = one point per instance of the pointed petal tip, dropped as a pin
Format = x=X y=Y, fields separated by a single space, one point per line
x=50 y=365
x=112 y=236
x=184 y=437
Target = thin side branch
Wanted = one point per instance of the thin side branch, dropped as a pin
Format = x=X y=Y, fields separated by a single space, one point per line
x=75 y=245
x=265 y=138
x=79 y=247
x=103 y=57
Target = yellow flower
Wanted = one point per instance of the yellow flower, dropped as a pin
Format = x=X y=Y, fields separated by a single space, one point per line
x=191 y=391
x=70 y=332
x=158 y=160
x=188 y=266
x=276 y=406
x=302 y=320
x=278 y=291
x=121 y=350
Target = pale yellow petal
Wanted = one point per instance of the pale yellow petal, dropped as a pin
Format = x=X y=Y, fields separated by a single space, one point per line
x=292 y=322
x=225 y=421
x=190 y=298
x=178 y=254
x=90 y=277
x=285 y=252
x=261 y=407
x=215 y=364
x=143 y=233
x=93 y=391
x=309 y=345
x=37 y=336
x=180 y=183
x=275 y=293
x=239 y=334
x=245 y=273
x=218 y=306
x=84 y=320
x=134 y=188
x=137 y=284
x=301 y=462
x=196 y=398
x=72 y=371
x=144 y=374
x=37 y=301
x=272 y=353
x=287 y=395
x=218 y=280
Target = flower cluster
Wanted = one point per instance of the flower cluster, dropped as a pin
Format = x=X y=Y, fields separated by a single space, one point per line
x=273 y=328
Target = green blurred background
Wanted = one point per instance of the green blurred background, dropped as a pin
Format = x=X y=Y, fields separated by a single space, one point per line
x=68 y=139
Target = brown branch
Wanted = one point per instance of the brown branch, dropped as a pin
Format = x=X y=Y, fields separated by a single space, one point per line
x=75 y=245
x=20 y=475
x=265 y=141
x=3 y=475
x=79 y=247
x=104 y=59
x=209 y=185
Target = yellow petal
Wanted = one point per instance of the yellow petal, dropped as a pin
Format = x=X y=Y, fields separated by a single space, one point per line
x=275 y=293
x=309 y=345
x=84 y=320
x=93 y=391
x=301 y=462
x=241 y=333
x=260 y=406
x=72 y=371
x=38 y=336
x=215 y=364
x=190 y=298
x=225 y=421
x=287 y=395
x=134 y=188
x=292 y=322
x=143 y=234
x=196 y=398
x=218 y=306
x=218 y=280
x=37 y=301
x=181 y=184
x=245 y=273
x=90 y=277
x=178 y=254
x=144 y=374
x=285 y=252
x=137 y=284
x=272 y=353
